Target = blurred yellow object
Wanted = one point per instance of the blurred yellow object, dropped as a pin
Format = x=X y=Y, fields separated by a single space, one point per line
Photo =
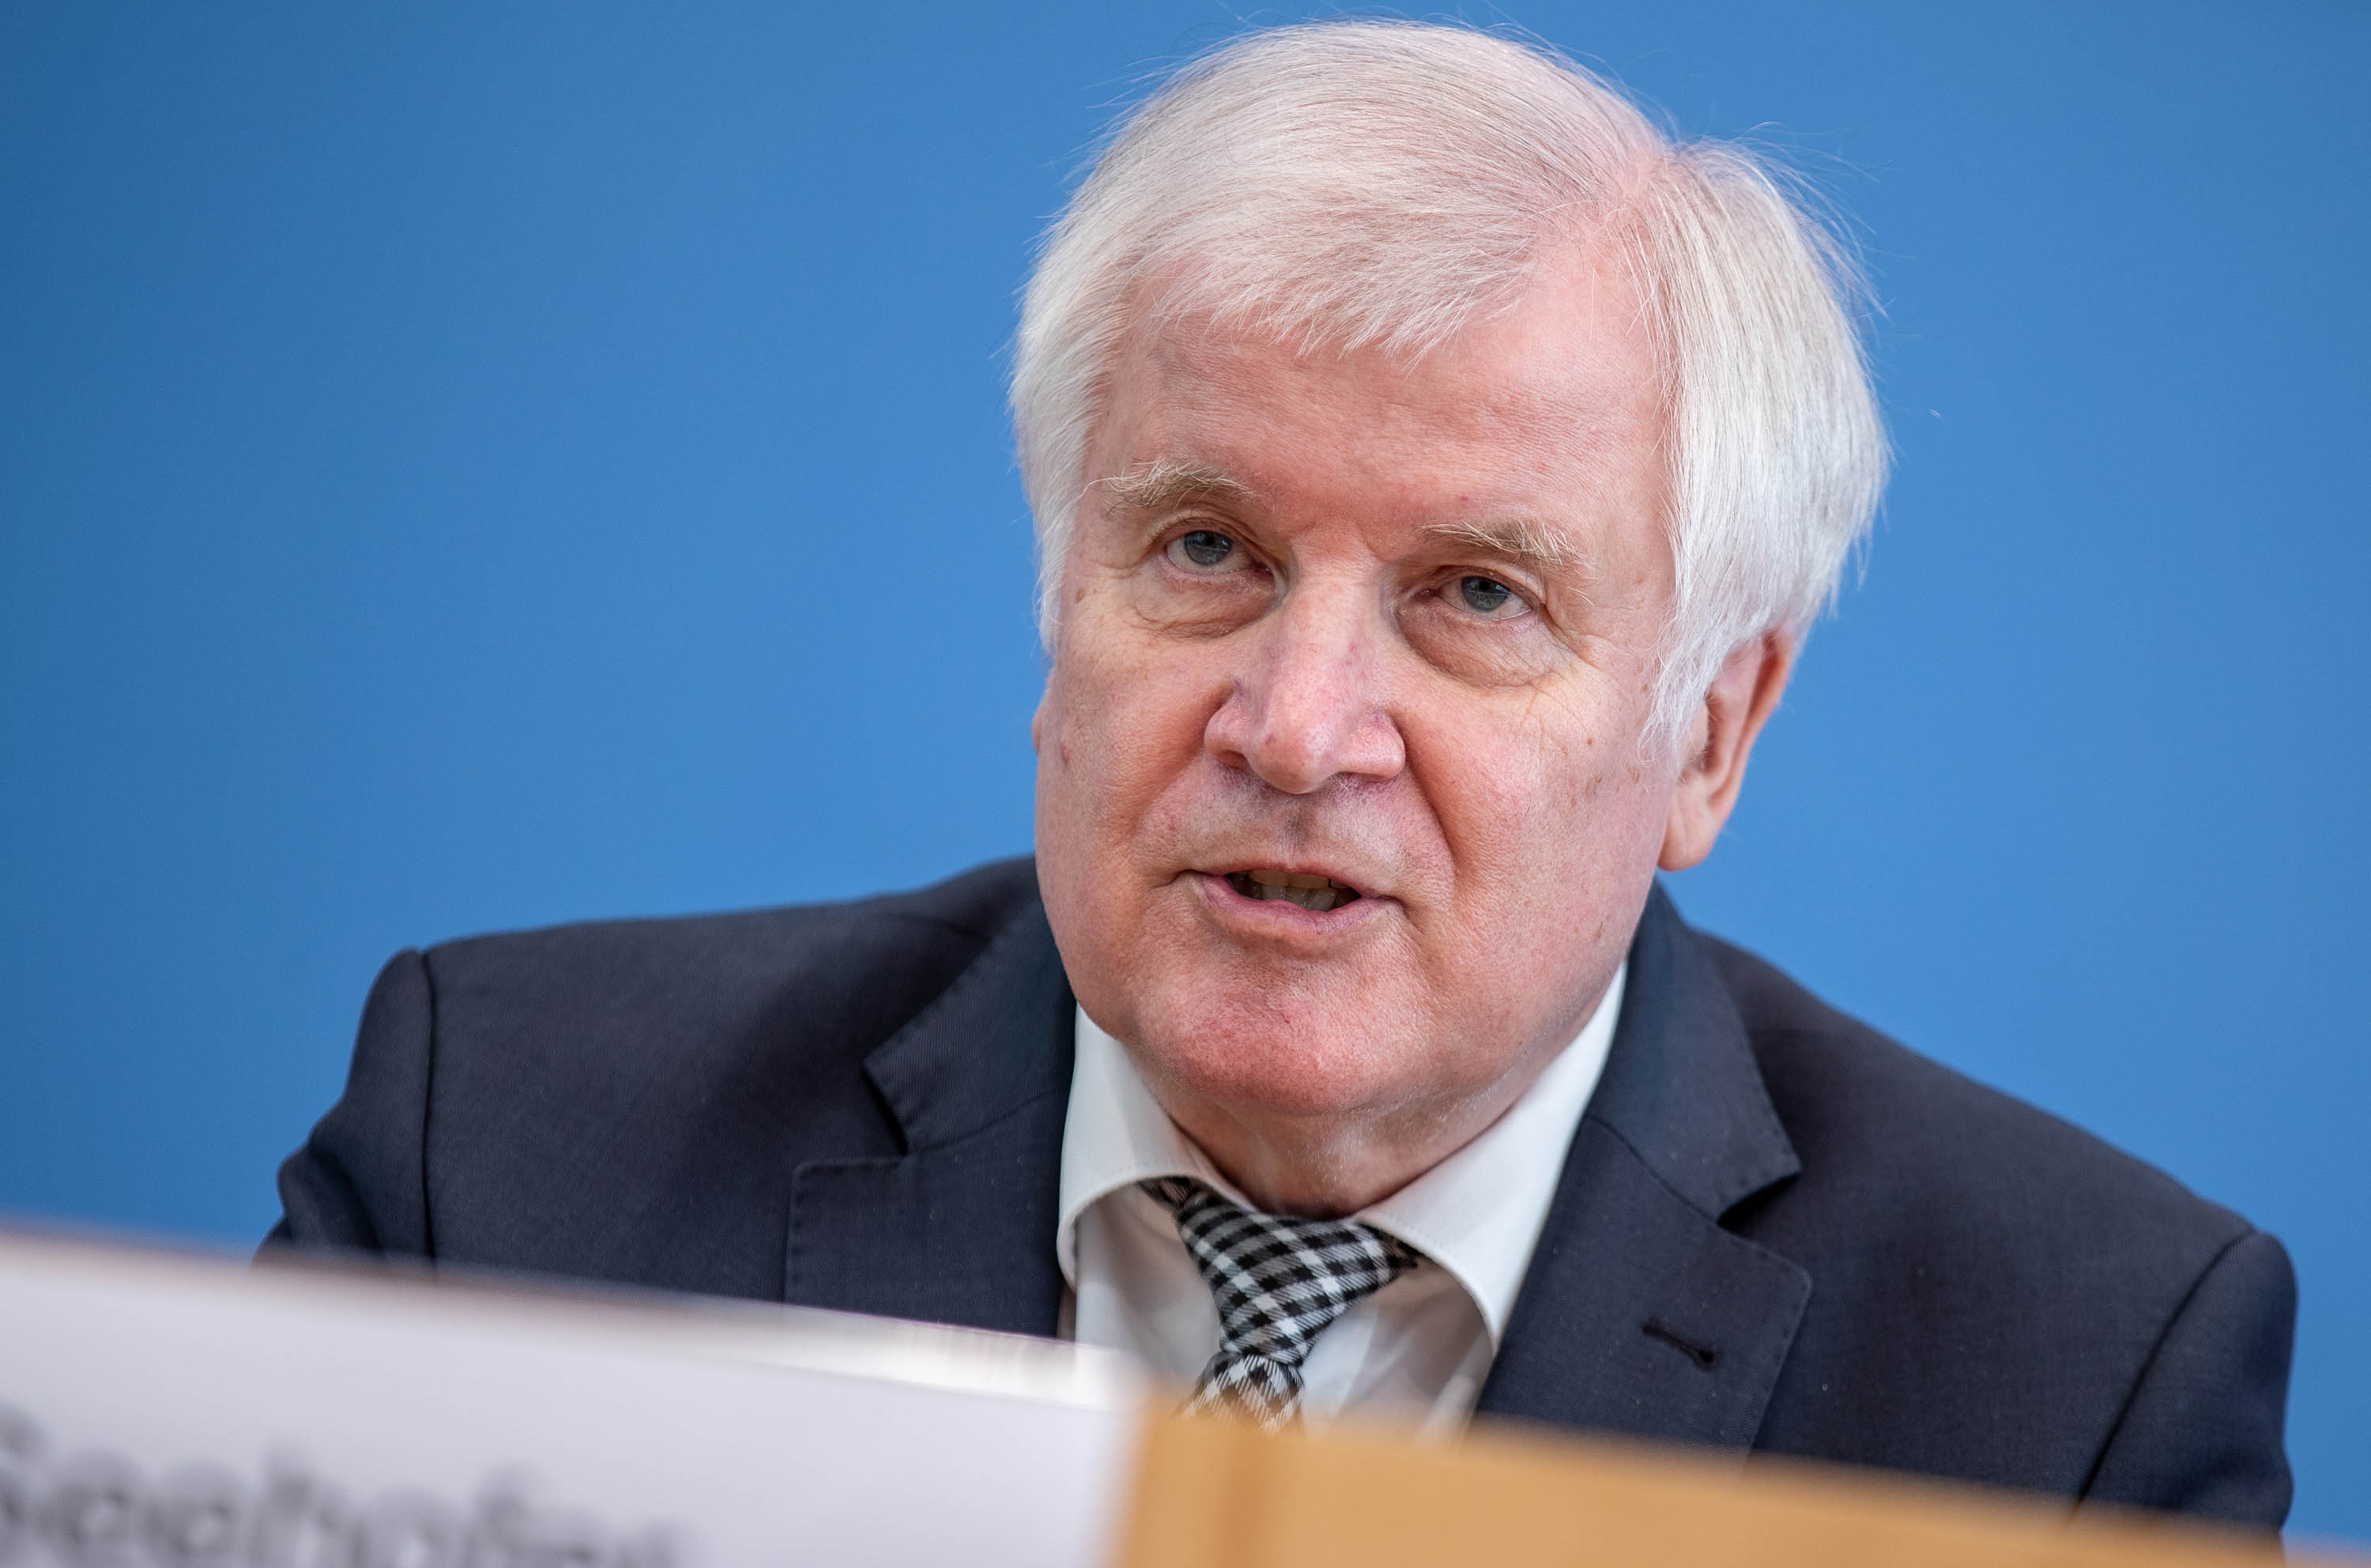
x=1221 y=1495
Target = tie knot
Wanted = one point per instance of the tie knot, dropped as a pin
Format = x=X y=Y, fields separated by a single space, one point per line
x=1278 y=1283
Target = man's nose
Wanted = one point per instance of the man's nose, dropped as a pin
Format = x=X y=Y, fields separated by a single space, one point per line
x=1309 y=704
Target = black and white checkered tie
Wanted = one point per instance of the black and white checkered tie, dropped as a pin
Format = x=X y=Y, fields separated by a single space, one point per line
x=1278 y=1283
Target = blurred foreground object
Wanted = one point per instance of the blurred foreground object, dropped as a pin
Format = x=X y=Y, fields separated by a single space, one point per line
x=1214 y=1494
x=169 y=1410
x=165 y=1409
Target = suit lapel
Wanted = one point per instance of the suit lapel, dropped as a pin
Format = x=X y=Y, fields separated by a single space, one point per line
x=960 y=1228
x=1639 y=1314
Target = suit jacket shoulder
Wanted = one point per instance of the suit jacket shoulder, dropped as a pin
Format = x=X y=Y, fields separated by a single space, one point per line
x=1984 y=1271
x=629 y=1100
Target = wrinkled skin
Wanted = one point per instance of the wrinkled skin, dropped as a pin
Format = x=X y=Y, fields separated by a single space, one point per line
x=1393 y=624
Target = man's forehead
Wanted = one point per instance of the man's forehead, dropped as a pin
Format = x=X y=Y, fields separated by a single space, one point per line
x=1534 y=383
x=1510 y=438
x=1503 y=408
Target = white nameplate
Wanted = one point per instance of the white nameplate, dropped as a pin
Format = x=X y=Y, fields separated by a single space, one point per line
x=158 y=1411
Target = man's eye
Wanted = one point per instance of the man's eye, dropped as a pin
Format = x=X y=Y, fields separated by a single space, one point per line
x=1486 y=595
x=1201 y=550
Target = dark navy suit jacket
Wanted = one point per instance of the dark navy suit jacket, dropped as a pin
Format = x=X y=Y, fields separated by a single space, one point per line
x=1776 y=1230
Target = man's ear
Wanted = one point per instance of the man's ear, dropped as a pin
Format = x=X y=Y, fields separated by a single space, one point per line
x=1048 y=699
x=1719 y=739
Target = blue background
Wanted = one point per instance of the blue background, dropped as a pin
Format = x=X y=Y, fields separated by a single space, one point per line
x=471 y=465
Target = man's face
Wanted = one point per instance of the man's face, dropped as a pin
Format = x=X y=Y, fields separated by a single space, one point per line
x=1382 y=627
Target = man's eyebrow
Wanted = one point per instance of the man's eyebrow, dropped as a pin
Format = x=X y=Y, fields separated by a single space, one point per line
x=1518 y=540
x=1164 y=482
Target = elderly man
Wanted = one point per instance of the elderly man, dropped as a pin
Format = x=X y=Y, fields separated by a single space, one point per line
x=1436 y=471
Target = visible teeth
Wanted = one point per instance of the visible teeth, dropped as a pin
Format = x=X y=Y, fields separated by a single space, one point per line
x=1306 y=889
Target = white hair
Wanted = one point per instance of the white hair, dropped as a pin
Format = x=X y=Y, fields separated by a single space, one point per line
x=1384 y=184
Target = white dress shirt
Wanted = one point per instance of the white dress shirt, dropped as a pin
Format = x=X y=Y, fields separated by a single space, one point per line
x=1416 y=1350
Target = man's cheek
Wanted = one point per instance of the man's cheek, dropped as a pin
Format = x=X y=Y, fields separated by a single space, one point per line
x=1153 y=724
x=1496 y=801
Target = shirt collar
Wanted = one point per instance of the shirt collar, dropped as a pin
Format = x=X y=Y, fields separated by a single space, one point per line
x=1477 y=1214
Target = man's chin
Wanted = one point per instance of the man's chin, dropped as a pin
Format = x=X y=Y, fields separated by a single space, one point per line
x=1288 y=1049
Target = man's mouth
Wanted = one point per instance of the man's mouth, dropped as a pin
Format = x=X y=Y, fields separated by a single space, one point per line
x=1305 y=888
